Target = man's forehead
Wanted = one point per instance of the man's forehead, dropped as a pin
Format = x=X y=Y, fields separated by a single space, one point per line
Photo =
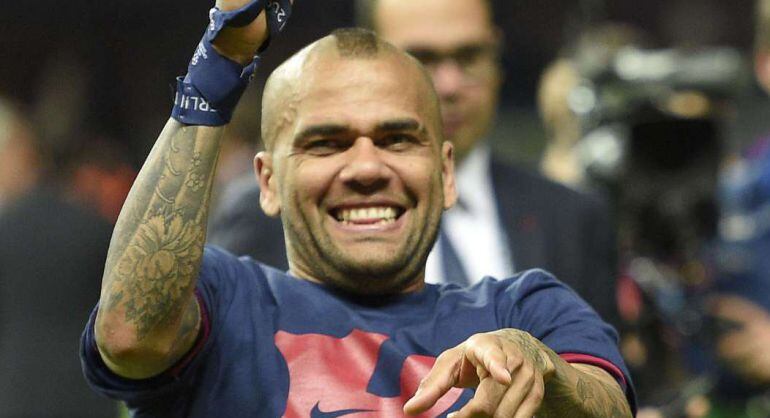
x=337 y=82
x=433 y=23
x=362 y=100
x=330 y=69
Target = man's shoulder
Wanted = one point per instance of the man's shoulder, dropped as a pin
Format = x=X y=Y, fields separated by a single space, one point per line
x=518 y=286
x=520 y=181
x=226 y=279
x=220 y=265
x=507 y=175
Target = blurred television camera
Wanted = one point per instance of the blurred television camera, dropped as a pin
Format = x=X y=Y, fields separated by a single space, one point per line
x=650 y=138
x=650 y=135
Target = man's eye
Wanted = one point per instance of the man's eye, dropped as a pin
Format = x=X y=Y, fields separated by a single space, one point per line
x=397 y=141
x=323 y=146
x=469 y=55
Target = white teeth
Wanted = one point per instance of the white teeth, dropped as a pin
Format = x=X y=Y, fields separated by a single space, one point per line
x=382 y=214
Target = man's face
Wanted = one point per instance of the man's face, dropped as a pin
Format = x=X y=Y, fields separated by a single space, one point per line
x=360 y=176
x=457 y=43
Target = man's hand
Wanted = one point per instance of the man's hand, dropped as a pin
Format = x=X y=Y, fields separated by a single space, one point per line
x=508 y=368
x=240 y=44
x=745 y=349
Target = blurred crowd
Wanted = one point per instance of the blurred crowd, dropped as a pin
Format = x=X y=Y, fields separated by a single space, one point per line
x=665 y=143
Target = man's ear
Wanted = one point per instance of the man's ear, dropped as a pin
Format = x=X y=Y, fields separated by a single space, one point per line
x=448 y=174
x=269 y=198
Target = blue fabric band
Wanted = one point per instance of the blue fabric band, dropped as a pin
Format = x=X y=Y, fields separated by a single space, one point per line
x=209 y=92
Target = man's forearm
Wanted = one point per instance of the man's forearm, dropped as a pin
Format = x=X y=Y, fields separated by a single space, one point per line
x=582 y=391
x=157 y=245
x=572 y=390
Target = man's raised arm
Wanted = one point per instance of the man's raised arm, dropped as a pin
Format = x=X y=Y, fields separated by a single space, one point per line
x=148 y=317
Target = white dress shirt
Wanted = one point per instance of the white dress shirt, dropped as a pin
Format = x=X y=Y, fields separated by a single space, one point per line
x=473 y=225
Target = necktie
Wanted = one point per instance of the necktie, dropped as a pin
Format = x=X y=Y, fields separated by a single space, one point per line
x=452 y=267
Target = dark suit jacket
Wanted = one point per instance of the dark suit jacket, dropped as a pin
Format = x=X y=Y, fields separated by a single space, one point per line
x=548 y=226
x=52 y=255
x=566 y=232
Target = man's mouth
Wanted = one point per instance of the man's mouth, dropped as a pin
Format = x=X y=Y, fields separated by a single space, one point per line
x=370 y=215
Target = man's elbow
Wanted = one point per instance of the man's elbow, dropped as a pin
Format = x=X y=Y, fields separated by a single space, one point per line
x=127 y=353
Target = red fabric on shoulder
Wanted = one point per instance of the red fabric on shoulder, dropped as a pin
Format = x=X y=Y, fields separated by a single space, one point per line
x=610 y=368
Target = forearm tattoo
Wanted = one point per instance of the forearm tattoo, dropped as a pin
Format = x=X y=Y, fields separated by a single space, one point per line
x=157 y=245
x=529 y=346
x=584 y=393
x=571 y=393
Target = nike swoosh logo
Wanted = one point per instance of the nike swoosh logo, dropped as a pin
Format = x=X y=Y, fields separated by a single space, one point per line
x=317 y=413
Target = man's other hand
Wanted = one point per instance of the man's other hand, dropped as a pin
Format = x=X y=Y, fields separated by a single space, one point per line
x=508 y=368
x=240 y=44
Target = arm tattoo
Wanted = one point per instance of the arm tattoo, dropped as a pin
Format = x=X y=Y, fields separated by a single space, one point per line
x=584 y=393
x=157 y=245
x=529 y=346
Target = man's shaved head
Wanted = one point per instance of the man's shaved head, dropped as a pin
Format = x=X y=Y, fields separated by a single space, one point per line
x=353 y=123
x=284 y=87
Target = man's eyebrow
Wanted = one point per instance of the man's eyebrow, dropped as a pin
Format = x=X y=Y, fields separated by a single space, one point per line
x=335 y=129
x=406 y=124
x=329 y=129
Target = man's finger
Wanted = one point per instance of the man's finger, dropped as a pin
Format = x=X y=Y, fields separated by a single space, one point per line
x=523 y=381
x=442 y=377
x=532 y=400
x=488 y=352
x=485 y=402
x=513 y=358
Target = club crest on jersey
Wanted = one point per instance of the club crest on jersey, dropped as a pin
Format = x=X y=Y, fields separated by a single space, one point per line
x=351 y=377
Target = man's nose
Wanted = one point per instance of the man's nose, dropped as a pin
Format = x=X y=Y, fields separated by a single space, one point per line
x=365 y=166
x=448 y=78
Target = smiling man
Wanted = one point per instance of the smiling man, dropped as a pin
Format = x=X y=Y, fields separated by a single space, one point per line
x=507 y=219
x=357 y=168
x=360 y=182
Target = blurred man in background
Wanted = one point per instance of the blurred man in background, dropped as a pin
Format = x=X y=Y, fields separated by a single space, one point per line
x=744 y=302
x=55 y=226
x=507 y=219
x=20 y=161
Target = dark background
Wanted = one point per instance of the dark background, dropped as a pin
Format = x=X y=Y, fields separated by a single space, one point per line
x=107 y=66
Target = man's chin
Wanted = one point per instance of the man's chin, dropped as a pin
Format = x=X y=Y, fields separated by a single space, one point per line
x=373 y=275
x=375 y=267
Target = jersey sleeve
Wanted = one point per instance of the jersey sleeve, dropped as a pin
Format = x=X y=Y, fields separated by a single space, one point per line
x=215 y=288
x=553 y=313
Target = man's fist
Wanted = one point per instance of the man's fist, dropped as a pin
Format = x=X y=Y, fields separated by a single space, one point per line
x=240 y=44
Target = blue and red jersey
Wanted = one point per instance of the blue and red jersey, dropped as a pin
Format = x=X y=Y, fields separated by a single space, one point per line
x=273 y=345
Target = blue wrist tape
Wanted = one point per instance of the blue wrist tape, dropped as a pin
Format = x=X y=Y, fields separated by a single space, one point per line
x=209 y=92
